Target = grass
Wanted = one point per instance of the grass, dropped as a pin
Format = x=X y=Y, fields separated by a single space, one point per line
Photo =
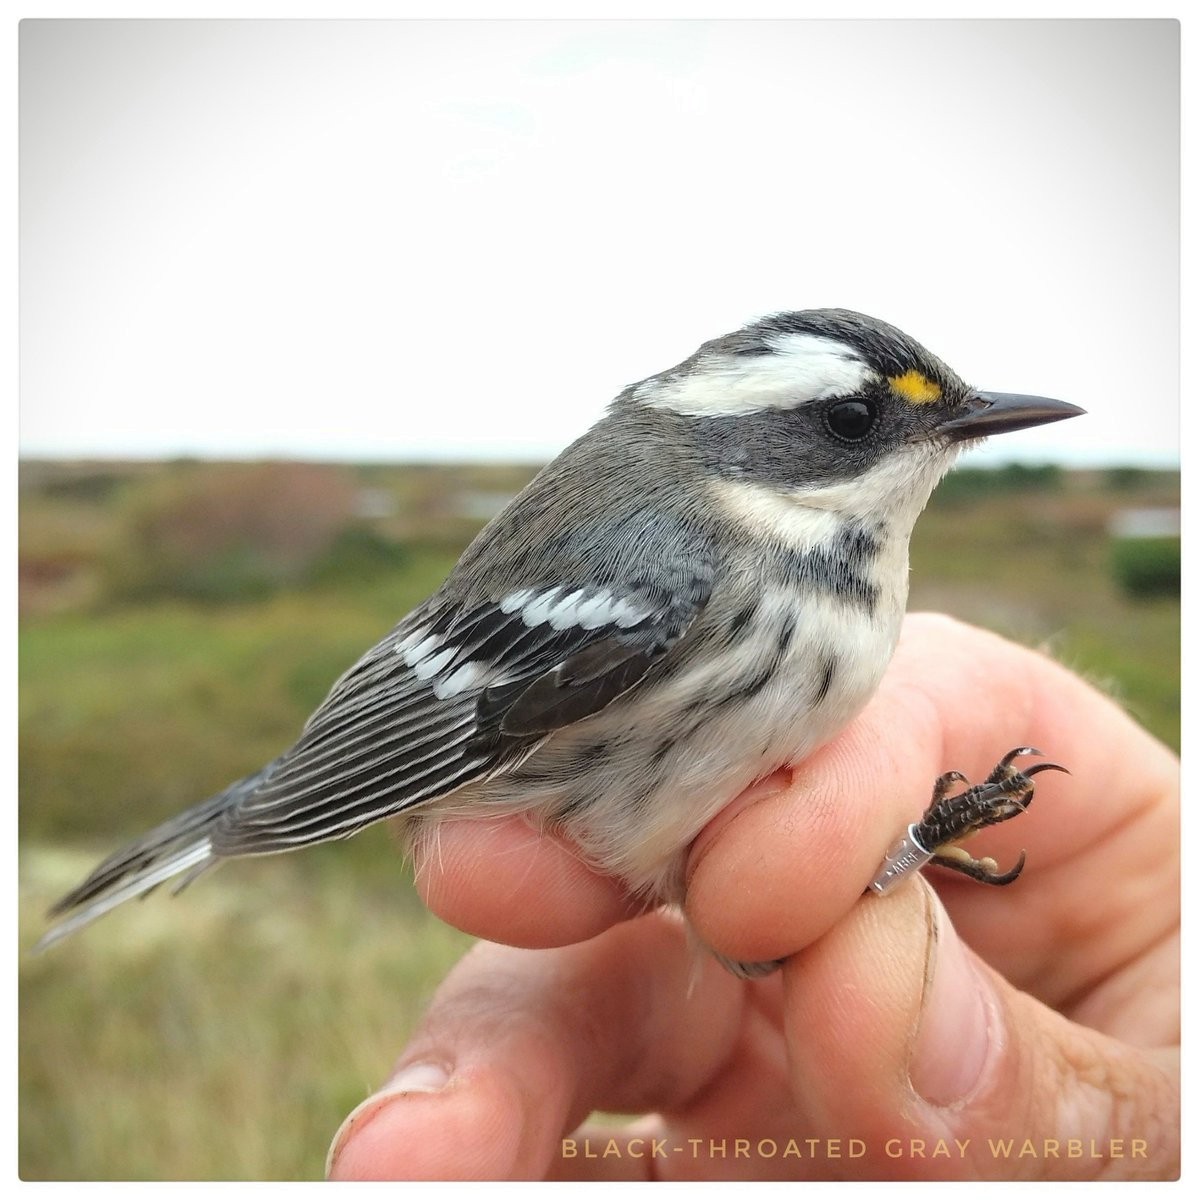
x=280 y=990
x=129 y=714
x=1037 y=568
x=225 y=1034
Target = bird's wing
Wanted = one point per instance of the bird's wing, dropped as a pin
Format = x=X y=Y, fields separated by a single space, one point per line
x=456 y=693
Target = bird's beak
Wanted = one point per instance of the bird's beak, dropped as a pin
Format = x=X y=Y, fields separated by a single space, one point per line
x=1003 y=412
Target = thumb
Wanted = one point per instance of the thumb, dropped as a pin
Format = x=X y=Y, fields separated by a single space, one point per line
x=926 y=1063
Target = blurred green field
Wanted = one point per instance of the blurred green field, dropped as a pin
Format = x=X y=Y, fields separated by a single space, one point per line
x=224 y=1034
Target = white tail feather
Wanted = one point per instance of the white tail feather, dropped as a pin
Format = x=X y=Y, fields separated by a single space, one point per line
x=195 y=856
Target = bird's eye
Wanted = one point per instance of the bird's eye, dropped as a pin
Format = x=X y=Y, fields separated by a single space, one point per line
x=851 y=420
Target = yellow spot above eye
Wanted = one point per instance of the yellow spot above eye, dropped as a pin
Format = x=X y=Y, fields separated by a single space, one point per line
x=915 y=388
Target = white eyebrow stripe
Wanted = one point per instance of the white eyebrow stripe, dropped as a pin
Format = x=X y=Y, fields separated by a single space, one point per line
x=804 y=367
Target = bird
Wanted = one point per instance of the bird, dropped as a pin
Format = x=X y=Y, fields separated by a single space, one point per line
x=703 y=588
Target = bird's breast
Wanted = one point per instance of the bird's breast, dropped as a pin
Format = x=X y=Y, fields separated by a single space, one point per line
x=767 y=681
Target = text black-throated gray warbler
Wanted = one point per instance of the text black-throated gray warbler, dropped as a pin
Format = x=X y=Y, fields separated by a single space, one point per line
x=703 y=588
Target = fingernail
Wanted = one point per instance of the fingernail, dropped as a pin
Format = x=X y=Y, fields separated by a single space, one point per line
x=414 y=1079
x=959 y=1018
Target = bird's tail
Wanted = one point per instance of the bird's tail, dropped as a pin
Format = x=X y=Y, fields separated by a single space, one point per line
x=181 y=846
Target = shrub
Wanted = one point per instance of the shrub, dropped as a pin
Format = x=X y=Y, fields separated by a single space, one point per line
x=1127 y=479
x=228 y=532
x=969 y=482
x=1148 y=566
x=358 y=554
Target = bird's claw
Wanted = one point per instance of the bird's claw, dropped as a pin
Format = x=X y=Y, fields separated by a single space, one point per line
x=948 y=820
x=983 y=870
x=1005 y=793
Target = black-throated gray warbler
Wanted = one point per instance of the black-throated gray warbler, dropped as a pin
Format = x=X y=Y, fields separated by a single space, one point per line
x=704 y=587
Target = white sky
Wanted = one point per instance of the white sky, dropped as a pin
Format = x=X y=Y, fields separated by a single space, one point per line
x=422 y=239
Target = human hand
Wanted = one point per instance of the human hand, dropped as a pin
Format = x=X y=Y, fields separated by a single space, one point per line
x=962 y=1032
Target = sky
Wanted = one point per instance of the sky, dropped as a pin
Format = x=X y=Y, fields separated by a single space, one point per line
x=459 y=240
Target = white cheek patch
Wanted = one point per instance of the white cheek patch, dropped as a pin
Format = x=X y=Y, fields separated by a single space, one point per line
x=893 y=491
x=784 y=516
x=803 y=368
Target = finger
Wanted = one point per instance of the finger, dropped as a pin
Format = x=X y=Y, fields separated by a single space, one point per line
x=958 y=697
x=899 y=1033
x=1115 y=819
x=519 y=1046
x=502 y=880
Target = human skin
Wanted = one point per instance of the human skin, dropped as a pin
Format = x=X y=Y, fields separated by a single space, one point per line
x=906 y=1037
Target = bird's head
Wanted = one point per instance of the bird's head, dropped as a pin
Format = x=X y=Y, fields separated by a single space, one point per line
x=832 y=410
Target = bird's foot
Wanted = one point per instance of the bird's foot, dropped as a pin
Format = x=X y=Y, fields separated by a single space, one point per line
x=949 y=820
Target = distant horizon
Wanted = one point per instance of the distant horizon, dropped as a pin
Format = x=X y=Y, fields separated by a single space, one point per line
x=979 y=460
